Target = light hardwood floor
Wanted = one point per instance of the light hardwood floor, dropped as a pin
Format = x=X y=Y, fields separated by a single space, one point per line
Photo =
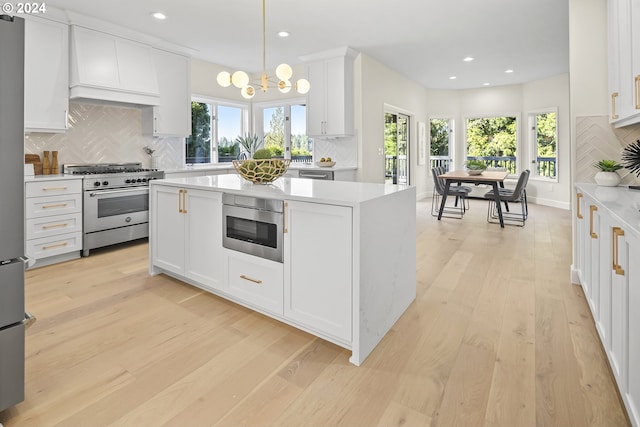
x=497 y=336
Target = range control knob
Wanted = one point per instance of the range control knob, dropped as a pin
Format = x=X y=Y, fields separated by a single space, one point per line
x=139 y=180
x=144 y=179
x=96 y=184
x=105 y=182
x=127 y=181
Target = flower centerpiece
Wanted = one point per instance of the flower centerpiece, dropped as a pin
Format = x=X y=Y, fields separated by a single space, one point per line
x=608 y=177
x=261 y=169
x=475 y=167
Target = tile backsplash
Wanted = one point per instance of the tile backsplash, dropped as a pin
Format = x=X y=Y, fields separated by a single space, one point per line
x=106 y=133
x=596 y=140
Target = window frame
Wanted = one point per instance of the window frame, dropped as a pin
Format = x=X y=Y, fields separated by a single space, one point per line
x=532 y=142
x=518 y=117
x=258 y=118
x=245 y=109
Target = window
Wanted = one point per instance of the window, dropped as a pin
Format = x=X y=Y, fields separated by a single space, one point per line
x=214 y=128
x=284 y=127
x=441 y=142
x=493 y=140
x=543 y=139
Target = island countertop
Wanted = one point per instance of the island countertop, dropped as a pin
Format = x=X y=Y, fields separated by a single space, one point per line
x=343 y=193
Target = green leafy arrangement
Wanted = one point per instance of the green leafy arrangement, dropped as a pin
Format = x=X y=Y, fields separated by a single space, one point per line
x=250 y=143
x=476 y=165
x=608 y=165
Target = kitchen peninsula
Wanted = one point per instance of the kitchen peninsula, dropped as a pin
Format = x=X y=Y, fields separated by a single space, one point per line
x=348 y=268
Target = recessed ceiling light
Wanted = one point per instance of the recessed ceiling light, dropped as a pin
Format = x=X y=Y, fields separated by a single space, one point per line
x=283 y=33
x=452 y=78
x=486 y=84
x=159 y=15
x=468 y=59
x=508 y=71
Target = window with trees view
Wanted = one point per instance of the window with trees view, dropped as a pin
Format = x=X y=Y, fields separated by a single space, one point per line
x=493 y=140
x=214 y=129
x=285 y=127
x=441 y=132
x=543 y=138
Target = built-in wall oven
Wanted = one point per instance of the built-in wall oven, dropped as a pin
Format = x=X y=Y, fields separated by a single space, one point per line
x=253 y=225
x=115 y=202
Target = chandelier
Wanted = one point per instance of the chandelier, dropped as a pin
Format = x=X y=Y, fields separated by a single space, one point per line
x=282 y=79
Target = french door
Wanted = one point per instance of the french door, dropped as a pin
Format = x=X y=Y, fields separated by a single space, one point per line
x=396 y=148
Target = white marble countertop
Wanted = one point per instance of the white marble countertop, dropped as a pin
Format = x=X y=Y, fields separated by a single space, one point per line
x=229 y=166
x=622 y=203
x=344 y=193
x=28 y=178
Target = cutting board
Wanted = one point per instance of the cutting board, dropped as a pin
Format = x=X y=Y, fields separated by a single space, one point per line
x=34 y=159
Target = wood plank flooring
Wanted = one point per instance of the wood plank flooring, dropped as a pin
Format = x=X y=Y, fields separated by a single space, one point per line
x=497 y=336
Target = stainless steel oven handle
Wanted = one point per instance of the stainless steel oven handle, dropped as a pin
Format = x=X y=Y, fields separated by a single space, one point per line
x=128 y=190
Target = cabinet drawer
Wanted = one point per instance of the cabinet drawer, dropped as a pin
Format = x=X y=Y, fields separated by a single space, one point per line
x=37 y=207
x=255 y=280
x=54 y=245
x=53 y=225
x=53 y=188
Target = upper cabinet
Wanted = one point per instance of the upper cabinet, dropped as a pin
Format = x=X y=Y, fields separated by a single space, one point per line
x=172 y=117
x=46 y=79
x=330 y=102
x=111 y=68
x=623 y=61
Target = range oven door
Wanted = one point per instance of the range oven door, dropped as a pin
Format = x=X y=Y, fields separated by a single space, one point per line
x=106 y=209
x=253 y=231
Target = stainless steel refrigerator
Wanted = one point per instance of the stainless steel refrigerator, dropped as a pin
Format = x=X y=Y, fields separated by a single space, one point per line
x=12 y=310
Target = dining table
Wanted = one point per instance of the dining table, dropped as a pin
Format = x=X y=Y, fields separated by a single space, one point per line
x=493 y=178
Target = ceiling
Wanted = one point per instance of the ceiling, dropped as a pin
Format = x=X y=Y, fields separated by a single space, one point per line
x=425 y=40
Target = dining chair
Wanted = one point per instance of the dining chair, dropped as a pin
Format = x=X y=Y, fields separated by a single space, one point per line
x=518 y=194
x=460 y=192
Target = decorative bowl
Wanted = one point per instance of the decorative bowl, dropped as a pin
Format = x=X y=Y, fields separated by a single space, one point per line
x=475 y=171
x=261 y=171
x=325 y=164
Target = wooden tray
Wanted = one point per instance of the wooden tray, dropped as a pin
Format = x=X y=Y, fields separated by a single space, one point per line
x=34 y=159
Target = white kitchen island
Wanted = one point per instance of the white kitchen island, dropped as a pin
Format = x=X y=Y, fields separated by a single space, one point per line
x=349 y=264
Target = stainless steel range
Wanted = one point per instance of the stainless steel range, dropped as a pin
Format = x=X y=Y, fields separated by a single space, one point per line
x=115 y=202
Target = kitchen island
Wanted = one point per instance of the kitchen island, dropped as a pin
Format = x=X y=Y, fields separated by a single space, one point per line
x=348 y=270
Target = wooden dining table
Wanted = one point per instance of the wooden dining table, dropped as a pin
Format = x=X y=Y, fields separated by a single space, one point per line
x=493 y=178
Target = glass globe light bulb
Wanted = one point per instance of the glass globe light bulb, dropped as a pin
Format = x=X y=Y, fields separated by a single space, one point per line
x=303 y=86
x=224 y=78
x=240 y=79
x=284 y=86
x=248 y=92
x=284 y=72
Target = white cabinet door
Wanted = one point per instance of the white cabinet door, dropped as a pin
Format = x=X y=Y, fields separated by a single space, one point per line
x=256 y=281
x=203 y=234
x=581 y=237
x=97 y=63
x=173 y=116
x=336 y=102
x=46 y=75
x=168 y=229
x=316 y=98
x=619 y=303
x=318 y=267
x=629 y=256
x=136 y=67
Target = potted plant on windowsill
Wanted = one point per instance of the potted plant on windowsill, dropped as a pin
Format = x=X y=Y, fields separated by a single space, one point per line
x=608 y=177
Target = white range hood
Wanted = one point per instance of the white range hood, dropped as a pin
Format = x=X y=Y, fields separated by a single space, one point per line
x=105 y=67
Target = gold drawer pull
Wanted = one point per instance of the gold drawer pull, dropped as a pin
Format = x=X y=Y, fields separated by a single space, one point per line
x=258 y=281
x=47 y=227
x=54 y=188
x=59 y=245
x=59 y=205
x=614 y=95
x=592 y=209
x=580 y=196
x=617 y=232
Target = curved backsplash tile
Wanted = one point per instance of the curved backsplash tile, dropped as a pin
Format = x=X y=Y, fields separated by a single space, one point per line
x=106 y=133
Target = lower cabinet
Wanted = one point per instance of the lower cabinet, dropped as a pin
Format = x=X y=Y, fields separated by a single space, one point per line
x=628 y=256
x=188 y=234
x=255 y=280
x=318 y=267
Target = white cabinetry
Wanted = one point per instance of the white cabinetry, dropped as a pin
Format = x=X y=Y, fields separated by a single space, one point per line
x=111 y=68
x=187 y=236
x=623 y=61
x=330 y=103
x=46 y=75
x=628 y=256
x=318 y=267
x=172 y=117
x=53 y=226
x=256 y=281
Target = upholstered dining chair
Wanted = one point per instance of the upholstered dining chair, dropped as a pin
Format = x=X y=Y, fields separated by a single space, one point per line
x=518 y=194
x=459 y=192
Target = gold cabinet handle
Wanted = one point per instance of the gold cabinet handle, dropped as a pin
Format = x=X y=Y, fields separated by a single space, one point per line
x=579 y=214
x=59 y=205
x=637 y=91
x=184 y=201
x=617 y=232
x=48 y=227
x=592 y=209
x=180 y=200
x=59 y=245
x=258 y=281
x=614 y=95
x=284 y=216
x=54 y=188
